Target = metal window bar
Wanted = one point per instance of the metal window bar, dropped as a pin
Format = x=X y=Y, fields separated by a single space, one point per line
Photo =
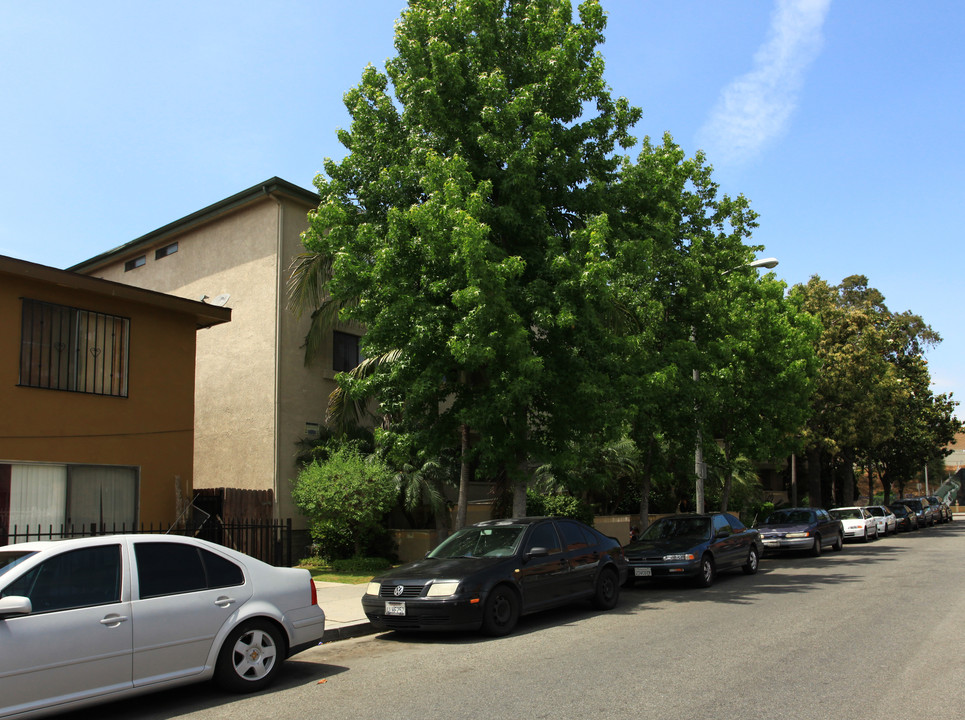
x=65 y=348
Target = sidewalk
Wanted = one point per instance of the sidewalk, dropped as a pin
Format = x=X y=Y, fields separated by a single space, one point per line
x=342 y=604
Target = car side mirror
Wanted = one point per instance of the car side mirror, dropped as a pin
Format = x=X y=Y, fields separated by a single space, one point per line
x=723 y=532
x=537 y=552
x=15 y=605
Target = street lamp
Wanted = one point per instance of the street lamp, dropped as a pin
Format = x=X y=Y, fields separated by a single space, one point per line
x=700 y=467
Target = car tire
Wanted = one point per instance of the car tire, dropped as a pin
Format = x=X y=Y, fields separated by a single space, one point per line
x=501 y=611
x=839 y=546
x=816 y=550
x=708 y=572
x=753 y=561
x=250 y=657
x=607 y=591
x=867 y=536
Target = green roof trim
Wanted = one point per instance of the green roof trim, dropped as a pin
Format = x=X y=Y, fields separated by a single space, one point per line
x=273 y=186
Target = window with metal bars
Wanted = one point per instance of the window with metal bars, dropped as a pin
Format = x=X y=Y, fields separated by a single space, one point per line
x=66 y=348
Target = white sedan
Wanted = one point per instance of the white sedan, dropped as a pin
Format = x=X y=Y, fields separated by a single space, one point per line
x=857 y=522
x=94 y=619
x=885 y=517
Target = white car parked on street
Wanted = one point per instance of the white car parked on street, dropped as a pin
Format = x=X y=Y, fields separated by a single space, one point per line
x=885 y=517
x=857 y=522
x=94 y=619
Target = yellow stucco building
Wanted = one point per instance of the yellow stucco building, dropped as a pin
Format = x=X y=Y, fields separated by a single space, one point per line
x=97 y=397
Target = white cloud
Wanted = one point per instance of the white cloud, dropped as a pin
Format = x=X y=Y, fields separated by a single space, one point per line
x=756 y=108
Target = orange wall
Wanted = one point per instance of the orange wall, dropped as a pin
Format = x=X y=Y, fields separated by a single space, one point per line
x=151 y=429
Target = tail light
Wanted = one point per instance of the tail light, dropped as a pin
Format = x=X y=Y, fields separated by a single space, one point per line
x=314 y=591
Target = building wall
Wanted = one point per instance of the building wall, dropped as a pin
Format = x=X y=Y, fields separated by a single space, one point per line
x=956 y=460
x=302 y=390
x=254 y=393
x=150 y=429
x=234 y=415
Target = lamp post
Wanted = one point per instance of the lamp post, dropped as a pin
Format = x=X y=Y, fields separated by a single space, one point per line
x=700 y=467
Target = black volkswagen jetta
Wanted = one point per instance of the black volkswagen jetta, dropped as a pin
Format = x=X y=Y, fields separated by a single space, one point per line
x=487 y=575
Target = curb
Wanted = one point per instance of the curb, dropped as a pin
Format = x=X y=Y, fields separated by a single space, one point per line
x=347 y=632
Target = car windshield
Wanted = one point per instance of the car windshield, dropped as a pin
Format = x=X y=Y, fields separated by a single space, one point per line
x=847 y=514
x=676 y=527
x=499 y=541
x=9 y=558
x=786 y=517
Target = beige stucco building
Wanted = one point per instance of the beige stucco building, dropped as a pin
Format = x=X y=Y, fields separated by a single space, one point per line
x=255 y=398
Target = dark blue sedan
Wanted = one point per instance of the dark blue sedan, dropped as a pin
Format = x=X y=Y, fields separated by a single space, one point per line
x=693 y=546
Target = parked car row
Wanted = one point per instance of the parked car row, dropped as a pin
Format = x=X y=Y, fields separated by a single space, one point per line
x=487 y=575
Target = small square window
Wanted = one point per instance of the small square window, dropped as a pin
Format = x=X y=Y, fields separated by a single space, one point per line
x=346 y=354
x=165 y=251
x=135 y=263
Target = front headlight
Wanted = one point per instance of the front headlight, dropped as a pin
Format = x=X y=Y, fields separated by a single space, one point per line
x=678 y=557
x=798 y=535
x=373 y=588
x=443 y=589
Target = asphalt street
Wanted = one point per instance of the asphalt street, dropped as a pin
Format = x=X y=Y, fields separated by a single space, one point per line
x=839 y=636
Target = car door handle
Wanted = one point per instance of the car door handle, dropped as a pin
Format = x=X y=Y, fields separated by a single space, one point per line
x=113 y=620
x=224 y=601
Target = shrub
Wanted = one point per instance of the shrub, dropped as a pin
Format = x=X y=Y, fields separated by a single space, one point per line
x=360 y=565
x=346 y=498
x=558 y=506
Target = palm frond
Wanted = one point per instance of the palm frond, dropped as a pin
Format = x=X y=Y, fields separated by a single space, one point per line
x=342 y=411
x=307 y=282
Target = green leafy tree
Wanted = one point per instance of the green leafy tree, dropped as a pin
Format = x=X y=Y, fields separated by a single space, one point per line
x=684 y=309
x=448 y=230
x=347 y=494
x=872 y=405
x=761 y=375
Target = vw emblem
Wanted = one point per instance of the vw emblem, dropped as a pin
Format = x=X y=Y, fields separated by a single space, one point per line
x=399 y=589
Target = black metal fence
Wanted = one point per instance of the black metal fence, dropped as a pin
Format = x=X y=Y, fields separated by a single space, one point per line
x=268 y=540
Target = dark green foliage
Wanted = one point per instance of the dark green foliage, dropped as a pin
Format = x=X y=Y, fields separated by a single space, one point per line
x=560 y=505
x=346 y=497
x=360 y=565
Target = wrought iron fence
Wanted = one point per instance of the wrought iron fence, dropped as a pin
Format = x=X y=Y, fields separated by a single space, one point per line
x=267 y=540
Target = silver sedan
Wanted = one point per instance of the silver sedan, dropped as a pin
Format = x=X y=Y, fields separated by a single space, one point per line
x=94 y=619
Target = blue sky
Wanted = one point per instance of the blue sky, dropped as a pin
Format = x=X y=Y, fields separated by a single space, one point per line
x=841 y=121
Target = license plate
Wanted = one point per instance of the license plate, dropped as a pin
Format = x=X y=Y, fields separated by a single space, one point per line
x=642 y=572
x=394 y=607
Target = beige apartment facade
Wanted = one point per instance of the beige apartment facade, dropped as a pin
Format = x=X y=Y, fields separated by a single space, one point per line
x=254 y=397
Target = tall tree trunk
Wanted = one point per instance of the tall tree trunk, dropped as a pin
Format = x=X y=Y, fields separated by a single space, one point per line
x=519 y=496
x=814 y=475
x=728 y=479
x=847 y=479
x=462 y=503
x=645 y=488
